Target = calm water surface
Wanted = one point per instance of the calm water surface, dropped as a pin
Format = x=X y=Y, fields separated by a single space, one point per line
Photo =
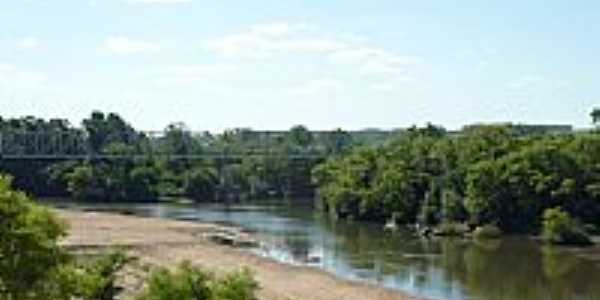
x=445 y=269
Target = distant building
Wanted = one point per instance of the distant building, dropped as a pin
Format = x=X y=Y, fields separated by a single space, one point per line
x=529 y=129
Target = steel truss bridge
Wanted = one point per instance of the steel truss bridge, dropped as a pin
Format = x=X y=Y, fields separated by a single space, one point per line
x=75 y=145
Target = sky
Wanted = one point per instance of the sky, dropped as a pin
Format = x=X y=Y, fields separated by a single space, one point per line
x=272 y=64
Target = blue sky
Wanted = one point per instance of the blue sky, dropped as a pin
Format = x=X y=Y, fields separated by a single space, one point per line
x=326 y=64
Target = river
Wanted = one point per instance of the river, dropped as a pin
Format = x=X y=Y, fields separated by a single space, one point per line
x=514 y=268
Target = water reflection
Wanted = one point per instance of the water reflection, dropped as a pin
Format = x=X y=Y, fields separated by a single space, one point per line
x=510 y=269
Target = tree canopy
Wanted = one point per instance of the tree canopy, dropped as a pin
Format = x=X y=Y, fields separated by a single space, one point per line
x=487 y=175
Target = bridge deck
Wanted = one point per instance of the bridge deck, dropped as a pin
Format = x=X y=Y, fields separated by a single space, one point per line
x=145 y=156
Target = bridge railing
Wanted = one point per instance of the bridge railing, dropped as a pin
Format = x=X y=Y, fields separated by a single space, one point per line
x=77 y=144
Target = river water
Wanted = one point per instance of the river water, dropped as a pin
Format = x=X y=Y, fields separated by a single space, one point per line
x=514 y=268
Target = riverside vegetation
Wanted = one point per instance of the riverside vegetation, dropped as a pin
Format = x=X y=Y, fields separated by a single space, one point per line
x=483 y=181
x=148 y=175
x=502 y=177
x=492 y=176
x=35 y=267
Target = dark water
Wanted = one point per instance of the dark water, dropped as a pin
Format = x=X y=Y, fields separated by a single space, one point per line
x=449 y=269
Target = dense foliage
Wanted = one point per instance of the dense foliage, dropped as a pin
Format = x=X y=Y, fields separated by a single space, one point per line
x=188 y=282
x=115 y=162
x=560 y=228
x=28 y=244
x=501 y=175
x=34 y=267
x=32 y=175
x=484 y=175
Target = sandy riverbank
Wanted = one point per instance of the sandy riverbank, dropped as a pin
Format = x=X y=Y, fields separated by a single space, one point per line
x=167 y=242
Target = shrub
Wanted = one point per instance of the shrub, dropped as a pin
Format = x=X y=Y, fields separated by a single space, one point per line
x=188 y=282
x=84 y=184
x=236 y=286
x=200 y=184
x=33 y=266
x=487 y=232
x=559 y=228
x=28 y=244
x=91 y=281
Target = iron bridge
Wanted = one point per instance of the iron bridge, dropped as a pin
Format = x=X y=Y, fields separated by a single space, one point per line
x=75 y=145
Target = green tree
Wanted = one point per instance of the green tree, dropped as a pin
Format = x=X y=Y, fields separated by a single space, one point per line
x=189 y=282
x=28 y=244
x=514 y=190
x=300 y=136
x=559 y=228
x=104 y=130
x=337 y=142
x=201 y=183
x=595 y=115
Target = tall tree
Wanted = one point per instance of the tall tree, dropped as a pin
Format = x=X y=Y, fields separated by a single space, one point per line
x=104 y=129
x=595 y=114
x=300 y=136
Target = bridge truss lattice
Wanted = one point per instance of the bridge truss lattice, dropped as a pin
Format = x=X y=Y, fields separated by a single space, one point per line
x=76 y=145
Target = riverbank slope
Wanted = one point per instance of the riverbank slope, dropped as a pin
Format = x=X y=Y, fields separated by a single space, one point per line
x=167 y=242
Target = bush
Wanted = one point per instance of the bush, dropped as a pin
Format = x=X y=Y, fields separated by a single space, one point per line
x=559 y=228
x=113 y=182
x=84 y=184
x=188 y=282
x=236 y=286
x=94 y=280
x=35 y=267
x=200 y=184
x=28 y=244
x=487 y=232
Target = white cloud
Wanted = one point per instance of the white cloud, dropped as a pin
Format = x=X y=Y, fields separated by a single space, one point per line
x=259 y=46
x=317 y=86
x=478 y=58
x=243 y=45
x=15 y=78
x=353 y=55
x=309 y=45
x=284 y=40
x=361 y=54
x=124 y=45
x=274 y=29
x=373 y=61
x=392 y=85
x=159 y=1
x=265 y=40
x=491 y=50
x=190 y=74
x=6 y=68
x=28 y=43
x=31 y=78
x=383 y=87
x=202 y=69
x=525 y=82
x=381 y=68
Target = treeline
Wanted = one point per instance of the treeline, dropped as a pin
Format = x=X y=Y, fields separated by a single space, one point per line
x=485 y=175
x=123 y=164
x=505 y=175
